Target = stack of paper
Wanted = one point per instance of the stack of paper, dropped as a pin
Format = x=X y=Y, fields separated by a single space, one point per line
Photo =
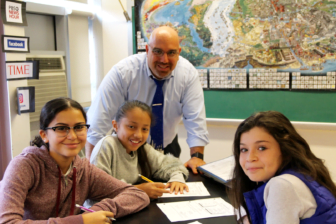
x=221 y=170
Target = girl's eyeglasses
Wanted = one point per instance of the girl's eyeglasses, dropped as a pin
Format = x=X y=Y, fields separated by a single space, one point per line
x=63 y=131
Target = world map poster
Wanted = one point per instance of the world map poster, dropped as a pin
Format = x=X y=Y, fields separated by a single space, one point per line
x=287 y=35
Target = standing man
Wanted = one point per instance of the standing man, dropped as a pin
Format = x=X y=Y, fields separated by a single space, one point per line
x=164 y=80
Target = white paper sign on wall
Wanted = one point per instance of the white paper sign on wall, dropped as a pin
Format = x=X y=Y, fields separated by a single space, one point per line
x=25 y=99
x=14 y=12
x=15 y=44
x=22 y=70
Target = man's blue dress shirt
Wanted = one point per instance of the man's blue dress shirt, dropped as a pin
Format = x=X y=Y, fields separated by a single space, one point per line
x=130 y=79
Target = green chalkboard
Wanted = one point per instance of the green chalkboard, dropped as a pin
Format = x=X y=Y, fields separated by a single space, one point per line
x=297 y=106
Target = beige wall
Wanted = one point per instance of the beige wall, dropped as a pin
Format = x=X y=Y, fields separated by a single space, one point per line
x=80 y=1
x=5 y=137
x=20 y=126
x=115 y=33
x=79 y=58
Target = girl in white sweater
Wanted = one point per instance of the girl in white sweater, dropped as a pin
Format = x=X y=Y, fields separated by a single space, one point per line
x=125 y=154
x=277 y=179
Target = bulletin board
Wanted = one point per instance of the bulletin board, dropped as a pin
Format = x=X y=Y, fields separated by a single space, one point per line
x=289 y=46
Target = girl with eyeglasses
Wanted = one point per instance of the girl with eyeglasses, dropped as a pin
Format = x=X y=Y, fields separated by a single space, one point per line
x=46 y=181
x=277 y=179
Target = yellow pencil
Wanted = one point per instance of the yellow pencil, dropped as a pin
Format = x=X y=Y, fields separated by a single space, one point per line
x=145 y=178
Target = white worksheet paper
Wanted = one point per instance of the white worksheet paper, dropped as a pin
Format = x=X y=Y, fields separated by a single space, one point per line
x=196 y=189
x=196 y=209
x=222 y=168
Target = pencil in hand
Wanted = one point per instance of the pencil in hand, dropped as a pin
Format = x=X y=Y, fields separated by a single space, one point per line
x=145 y=178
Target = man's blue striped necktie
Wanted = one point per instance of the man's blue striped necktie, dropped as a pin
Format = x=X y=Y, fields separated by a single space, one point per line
x=157 y=109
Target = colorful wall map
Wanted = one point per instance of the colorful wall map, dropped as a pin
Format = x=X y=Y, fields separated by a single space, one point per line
x=288 y=35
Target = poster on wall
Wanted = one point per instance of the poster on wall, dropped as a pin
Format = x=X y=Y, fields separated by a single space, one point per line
x=13 y=12
x=26 y=99
x=16 y=70
x=15 y=44
x=289 y=36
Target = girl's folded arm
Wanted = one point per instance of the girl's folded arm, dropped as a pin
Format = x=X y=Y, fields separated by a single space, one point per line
x=116 y=196
x=14 y=188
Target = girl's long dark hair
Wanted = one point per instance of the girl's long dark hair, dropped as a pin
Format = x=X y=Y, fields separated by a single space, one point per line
x=49 y=112
x=142 y=155
x=296 y=155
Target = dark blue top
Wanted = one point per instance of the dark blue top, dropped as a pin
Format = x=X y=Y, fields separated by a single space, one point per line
x=326 y=203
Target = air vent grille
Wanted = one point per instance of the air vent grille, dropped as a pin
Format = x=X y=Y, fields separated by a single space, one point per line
x=47 y=88
x=48 y=63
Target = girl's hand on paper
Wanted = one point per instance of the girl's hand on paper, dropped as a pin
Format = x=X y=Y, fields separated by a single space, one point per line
x=153 y=190
x=100 y=217
x=177 y=187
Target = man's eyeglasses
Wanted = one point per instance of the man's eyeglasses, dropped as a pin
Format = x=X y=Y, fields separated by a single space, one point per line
x=63 y=131
x=170 y=54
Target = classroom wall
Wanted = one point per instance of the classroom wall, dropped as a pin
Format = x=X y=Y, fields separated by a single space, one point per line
x=72 y=33
x=117 y=44
x=19 y=124
x=77 y=60
x=80 y=1
x=78 y=29
x=96 y=49
x=5 y=137
x=41 y=28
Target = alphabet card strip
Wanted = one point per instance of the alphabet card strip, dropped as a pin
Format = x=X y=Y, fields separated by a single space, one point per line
x=22 y=70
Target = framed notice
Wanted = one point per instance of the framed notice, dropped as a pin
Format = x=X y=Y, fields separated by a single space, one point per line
x=22 y=70
x=15 y=44
x=13 y=12
x=26 y=99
